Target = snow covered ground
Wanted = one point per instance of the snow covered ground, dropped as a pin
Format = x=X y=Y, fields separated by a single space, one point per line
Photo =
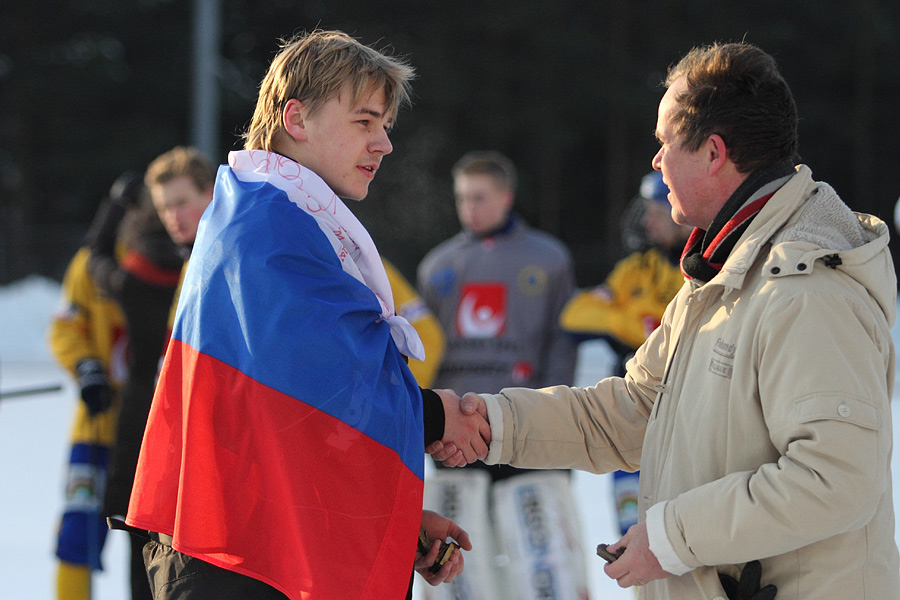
x=34 y=432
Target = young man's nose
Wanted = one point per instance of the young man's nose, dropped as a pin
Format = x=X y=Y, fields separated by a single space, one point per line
x=382 y=143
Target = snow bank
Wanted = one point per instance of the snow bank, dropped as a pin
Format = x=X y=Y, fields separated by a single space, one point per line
x=23 y=324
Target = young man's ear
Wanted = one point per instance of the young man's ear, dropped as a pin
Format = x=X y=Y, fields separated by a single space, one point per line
x=292 y=119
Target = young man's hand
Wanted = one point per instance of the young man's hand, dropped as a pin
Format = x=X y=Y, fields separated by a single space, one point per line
x=439 y=528
x=467 y=435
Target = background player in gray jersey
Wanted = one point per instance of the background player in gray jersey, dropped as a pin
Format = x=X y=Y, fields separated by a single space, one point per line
x=498 y=288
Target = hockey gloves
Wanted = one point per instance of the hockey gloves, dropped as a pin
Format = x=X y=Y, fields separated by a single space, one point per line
x=127 y=189
x=95 y=391
x=748 y=587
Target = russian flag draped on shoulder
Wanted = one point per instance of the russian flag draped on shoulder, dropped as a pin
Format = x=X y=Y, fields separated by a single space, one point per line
x=285 y=441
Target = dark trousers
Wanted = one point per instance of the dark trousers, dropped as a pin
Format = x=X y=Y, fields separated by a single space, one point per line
x=177 y=576
x=140 y=588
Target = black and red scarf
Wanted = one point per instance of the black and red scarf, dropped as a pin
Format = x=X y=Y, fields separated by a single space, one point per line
x=706 y=250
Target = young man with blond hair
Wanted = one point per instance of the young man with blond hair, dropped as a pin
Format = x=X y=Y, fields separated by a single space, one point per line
x=283 y=456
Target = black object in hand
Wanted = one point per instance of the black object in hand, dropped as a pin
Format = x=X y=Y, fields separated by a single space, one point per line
x=95 y=391
x=444 y=552
x=607 y=555
x=748 y=587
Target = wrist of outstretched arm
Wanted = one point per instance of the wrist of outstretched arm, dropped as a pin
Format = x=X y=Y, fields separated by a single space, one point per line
x=433 y=415
x=660 y=545
x=495 y=418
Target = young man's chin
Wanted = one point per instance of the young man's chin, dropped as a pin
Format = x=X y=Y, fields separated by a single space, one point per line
x=354 y=195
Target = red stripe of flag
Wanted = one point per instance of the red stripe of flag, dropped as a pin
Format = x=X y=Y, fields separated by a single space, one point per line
x=348 y=500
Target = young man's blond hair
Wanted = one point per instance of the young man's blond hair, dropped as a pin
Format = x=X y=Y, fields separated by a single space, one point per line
x=316 y=67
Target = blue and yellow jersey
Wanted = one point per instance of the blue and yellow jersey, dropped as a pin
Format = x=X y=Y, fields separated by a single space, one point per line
x=89 y=324
x=629 y=304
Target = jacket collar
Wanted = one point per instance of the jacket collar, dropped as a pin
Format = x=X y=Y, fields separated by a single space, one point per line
x=707 y=250
x=781 y=229
x=773 y=216
x=511 y=225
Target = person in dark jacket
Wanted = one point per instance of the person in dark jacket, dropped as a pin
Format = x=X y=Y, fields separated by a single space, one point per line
x=144 y=281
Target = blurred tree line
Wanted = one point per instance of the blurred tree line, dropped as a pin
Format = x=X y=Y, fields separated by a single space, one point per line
x=568 y=89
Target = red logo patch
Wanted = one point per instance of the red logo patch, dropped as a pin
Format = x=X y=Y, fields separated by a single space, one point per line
x=482 y=310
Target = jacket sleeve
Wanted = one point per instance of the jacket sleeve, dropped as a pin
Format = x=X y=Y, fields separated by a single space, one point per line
x=825 y=397
x=433 y=415
x=70 y=336
x=597 y=429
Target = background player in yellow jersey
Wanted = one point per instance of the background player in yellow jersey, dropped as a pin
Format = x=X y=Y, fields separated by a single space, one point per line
x=410 y=306
x=88 y=338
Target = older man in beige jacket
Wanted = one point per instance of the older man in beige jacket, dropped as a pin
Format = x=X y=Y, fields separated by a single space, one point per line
x=759 y=411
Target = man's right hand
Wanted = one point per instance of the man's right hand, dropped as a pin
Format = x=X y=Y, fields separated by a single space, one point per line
x=95 y=391
x=467 y=436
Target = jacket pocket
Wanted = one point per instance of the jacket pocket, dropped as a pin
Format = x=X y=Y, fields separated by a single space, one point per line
x=838 y=408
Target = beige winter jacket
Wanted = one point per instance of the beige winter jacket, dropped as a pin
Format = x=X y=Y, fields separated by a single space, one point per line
x=767 y=434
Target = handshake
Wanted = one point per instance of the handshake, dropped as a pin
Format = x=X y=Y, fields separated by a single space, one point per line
x=467 y=432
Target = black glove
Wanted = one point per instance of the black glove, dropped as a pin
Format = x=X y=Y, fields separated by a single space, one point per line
x=95 y=391
x=127 y=189
x=748 y=587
